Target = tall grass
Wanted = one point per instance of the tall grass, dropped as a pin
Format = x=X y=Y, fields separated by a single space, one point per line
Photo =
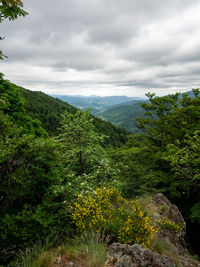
x=92 y=245
x=39 y=255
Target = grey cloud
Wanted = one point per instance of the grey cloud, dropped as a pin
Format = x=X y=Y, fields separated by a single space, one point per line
x=120 y=44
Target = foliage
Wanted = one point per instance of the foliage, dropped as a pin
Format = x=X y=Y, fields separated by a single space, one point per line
x=123 y=220
x=13 y=105
x=46 y=109
x=138 y=228
x=169 y=118
x=185 y=161
x=29 y=170
x=135 y=174
x=10 y=9
x=80 y=142
x=115 y=136
x=195 y=212
x=170 y=225
x=164 y=156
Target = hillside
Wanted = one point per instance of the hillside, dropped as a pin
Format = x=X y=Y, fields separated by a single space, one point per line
x=46 y=109
x=49 y=110
x=124 y=115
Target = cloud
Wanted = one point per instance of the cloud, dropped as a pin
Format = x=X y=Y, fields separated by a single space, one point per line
x=104 y=47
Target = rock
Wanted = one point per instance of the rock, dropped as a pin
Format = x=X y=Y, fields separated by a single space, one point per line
x=136 y=256
x=165 y=209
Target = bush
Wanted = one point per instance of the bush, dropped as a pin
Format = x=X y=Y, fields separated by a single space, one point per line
x=123 y=220
x=170 y=225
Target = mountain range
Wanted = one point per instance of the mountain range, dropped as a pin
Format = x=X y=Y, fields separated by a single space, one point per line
x=119 y=110
x=97 y=104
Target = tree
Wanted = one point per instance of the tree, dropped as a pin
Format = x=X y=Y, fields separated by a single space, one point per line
x=185 y=163
x=165 y=155
x=10 y=9
x=170 y=118
x=80 y=142
x=170 y=135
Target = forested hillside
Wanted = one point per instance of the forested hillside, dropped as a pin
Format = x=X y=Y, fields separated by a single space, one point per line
x=49 y=110
x=124 y=115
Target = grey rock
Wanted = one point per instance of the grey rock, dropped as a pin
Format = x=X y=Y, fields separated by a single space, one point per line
x=173 y=214
x=136 y=256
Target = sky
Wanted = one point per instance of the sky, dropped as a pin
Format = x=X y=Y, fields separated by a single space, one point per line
x=104 y=47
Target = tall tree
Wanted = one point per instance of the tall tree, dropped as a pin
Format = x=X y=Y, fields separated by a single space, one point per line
x=80 y=142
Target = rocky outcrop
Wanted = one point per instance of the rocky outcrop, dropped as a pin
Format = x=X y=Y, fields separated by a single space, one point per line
x=136 y=256
x=173 y=253
x=163 y=208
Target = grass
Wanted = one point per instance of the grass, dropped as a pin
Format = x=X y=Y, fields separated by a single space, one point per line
x=40 y=254
x=161 y=247
x=90 y=247
x=37 y=255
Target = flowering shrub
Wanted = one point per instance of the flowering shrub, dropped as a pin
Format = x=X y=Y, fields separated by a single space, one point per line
x=124 y=220
x=170 y=225
x=137 y=228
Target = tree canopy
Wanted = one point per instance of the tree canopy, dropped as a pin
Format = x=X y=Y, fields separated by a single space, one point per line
x=81 y=144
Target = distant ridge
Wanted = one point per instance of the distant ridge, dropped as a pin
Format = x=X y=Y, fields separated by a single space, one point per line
x=94 y=102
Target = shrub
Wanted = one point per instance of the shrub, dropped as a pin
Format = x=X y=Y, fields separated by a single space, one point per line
x=170 y=225
x=123 y=220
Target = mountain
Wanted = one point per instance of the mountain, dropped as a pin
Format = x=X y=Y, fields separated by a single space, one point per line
x=95 y=103
x=124 y=115
x=49 y=110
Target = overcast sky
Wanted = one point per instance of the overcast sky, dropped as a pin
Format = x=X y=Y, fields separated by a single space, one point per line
x=104 y=47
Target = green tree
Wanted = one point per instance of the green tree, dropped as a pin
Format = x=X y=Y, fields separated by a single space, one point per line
x=185 y=163
x=80 y=143
x=163 y=156
x=169 y=118
x=170 y=141
x=10 y=9
x=31 y=199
